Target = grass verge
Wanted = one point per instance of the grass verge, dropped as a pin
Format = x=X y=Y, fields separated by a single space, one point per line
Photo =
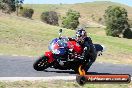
x=58 y=84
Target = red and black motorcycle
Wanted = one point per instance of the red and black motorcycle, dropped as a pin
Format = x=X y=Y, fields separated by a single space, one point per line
x=64 y=54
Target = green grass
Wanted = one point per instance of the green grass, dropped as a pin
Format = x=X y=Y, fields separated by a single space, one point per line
x=26 y=36
x=97 y=31
x=58 y=84
x=23 y=36
x=119 y=50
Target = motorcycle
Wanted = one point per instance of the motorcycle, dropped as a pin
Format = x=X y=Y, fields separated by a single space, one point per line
x=64 y=54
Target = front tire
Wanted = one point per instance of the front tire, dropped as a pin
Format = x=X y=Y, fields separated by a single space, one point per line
x=41 y=63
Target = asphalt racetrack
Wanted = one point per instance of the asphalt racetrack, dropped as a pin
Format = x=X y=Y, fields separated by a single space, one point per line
x=22 y=66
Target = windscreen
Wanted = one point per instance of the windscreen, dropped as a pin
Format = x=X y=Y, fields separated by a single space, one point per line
x=58 y=46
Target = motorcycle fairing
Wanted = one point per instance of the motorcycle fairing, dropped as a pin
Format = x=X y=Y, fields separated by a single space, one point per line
x=58 y=46
x=50 y=56
x=76 y=47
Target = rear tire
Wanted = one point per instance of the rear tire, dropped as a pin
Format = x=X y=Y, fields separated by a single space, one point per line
x=41 y=63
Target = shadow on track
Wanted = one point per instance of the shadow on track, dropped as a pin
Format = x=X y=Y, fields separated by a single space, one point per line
x=72 y=72
x=61 y=71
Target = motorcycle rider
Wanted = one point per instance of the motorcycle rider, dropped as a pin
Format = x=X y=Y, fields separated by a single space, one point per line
x=88 y=47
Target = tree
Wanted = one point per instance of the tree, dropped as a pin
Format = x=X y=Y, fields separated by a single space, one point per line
x=116 y=20
x=50 y=17
x=18 y=4
x=9 y=6
x=71 y=20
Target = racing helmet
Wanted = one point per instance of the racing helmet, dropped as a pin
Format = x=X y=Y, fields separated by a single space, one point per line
x=81 y=34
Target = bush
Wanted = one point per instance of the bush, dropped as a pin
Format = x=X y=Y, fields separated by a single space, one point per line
x=71 y=21
x=27 y=12
x=116 y=20
x=50 y=17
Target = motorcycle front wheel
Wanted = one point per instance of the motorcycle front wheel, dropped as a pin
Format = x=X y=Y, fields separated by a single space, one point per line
x=41 y=64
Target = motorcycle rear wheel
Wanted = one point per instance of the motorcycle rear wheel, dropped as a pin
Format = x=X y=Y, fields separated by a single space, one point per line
x=41 y=63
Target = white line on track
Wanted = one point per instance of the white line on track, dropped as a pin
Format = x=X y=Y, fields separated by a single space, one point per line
x=69 y=78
